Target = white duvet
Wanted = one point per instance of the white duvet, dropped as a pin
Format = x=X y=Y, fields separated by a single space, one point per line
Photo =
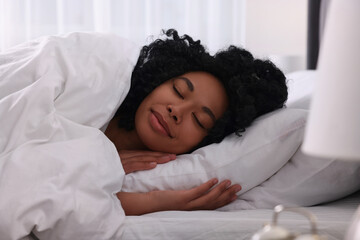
x=58 y=172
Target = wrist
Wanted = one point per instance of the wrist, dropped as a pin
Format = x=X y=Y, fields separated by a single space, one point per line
x=167 y=200
x=142 y=203
x=159 y=201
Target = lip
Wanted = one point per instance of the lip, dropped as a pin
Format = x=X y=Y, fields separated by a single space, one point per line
x=159 y=124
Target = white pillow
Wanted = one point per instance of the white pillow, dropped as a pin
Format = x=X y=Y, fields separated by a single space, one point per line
x=248 y=160
x=303 y=181
x=300 y=87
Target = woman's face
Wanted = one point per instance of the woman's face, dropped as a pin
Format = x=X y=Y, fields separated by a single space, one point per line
x=177 y=115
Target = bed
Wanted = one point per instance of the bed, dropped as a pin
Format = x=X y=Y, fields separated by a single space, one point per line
x=51 y=189
x=332 y=221
x=328 y=186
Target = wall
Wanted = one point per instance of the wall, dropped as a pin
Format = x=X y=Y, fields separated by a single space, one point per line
x=277 y=29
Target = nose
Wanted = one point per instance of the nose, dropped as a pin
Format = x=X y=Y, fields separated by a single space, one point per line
x=177 y=111
x=173 y=113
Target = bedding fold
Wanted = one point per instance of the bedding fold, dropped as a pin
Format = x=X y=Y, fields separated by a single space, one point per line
x=58 y=172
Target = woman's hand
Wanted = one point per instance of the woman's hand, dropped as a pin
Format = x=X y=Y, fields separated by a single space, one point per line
x=203 y=197
x=143 y=160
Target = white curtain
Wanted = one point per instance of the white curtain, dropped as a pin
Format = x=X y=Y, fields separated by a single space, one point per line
x=217 y=23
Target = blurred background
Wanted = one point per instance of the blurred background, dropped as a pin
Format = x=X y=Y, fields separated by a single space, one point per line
x=274 y=29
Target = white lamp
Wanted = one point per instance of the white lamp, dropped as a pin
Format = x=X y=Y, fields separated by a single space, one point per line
x=333 y=128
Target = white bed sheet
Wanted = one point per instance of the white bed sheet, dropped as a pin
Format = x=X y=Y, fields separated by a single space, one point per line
x=333 y=221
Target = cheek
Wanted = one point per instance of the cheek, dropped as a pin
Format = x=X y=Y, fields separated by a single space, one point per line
x=141 y=124
x=190 y=135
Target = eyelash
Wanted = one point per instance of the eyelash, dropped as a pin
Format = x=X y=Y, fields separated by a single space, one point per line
x=177 y=92
x=198 y=122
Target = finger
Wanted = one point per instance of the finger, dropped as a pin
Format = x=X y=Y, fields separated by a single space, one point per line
x=219 y=189
x=217 y=197
x=134 y=153
x=197 y=192
x=165 y=159
x=146 y=158
x=226 y=197
x=209 y=195
x=229 y=195
x=138 y=166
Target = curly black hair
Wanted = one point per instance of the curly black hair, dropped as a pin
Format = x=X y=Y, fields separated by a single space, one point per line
x=254 y=87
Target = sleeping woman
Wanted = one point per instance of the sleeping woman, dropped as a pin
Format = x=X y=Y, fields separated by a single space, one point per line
x=182 y=98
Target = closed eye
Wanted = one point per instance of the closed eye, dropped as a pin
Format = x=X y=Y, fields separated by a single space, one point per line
x=198 y=122
x=177 y=92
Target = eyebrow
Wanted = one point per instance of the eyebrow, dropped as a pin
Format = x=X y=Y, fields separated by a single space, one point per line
x=191 y=88
x=188 y=83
